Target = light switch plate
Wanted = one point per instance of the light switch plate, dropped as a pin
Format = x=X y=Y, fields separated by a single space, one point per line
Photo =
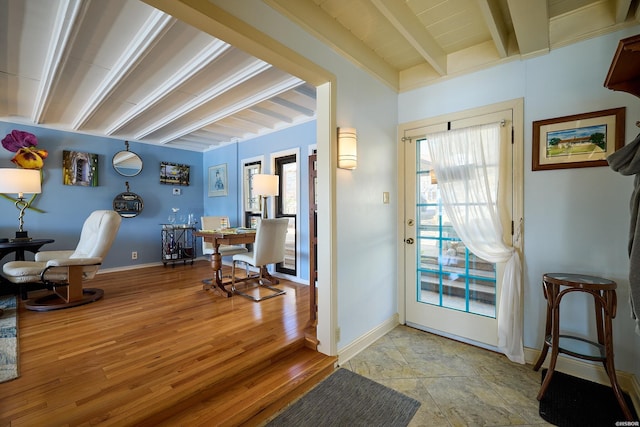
x=176 y=191
x=385 y=197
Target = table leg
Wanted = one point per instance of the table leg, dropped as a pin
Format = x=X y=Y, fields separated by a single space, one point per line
x=216 y=265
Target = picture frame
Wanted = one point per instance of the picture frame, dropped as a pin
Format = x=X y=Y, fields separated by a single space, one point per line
x=79 y=168
x=577 y=141
x=174 y=173
x=218 y=180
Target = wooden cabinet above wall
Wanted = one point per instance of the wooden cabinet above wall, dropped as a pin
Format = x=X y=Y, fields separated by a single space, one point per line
x=624 y=73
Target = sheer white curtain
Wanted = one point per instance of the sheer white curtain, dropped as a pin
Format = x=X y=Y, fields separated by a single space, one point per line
x=466 y=162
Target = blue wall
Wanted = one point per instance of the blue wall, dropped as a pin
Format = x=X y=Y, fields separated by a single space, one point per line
x=66 y=207
x=301 y=137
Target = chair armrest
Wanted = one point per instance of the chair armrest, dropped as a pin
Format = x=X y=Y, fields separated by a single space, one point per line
x=44 y=256
x=65 y=262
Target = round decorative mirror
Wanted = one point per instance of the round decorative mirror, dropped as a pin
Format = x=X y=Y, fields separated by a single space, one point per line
x=127 y=163
x=128 y=204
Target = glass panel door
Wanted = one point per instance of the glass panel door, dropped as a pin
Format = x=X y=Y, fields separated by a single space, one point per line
x=448 y=289
x=287 y=206
x=450 y=275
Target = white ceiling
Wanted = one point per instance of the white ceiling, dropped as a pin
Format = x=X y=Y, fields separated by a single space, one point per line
x=122 y=69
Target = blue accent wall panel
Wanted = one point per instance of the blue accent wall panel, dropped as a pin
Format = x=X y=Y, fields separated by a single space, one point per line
x=66 y=207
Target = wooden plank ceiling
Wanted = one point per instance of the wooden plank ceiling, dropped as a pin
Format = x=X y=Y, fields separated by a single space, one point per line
x=124 y=70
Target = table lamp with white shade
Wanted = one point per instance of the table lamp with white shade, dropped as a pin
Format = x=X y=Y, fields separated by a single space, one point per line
x=20 y=182
x=265 y=185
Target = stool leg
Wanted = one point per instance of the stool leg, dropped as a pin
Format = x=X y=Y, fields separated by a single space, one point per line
x=547 y=332
x=609 y=365
x=545 y=346
x=554 y=303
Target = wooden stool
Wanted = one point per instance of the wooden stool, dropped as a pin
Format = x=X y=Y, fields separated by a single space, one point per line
x=604 y=296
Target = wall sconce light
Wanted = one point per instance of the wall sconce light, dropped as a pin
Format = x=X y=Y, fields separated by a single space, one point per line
x=347 y=148
x=20 y=181
x=265 y=185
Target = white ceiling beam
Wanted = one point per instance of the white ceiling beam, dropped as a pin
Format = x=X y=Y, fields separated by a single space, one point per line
x=197 y=63
x=238 y=123
x=314 y=20
x=68 y=17
x=621 y=10
x=257 y=97
x=258 y=66
x=293 y=106
x=306 y=90
x=254 y=124
x=155 y=26
x=493 y=18
x=193 y=146
x=270 y=113
x=211 y=135
x=407 y=23
x=254 y=117
x=531 y=24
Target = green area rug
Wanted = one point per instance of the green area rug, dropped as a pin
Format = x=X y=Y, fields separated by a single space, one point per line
x=345 y=398
x=8 y=339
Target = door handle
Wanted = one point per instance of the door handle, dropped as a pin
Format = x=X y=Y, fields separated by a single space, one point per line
x=409 y=241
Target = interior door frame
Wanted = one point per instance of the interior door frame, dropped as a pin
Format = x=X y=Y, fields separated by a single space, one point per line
x=517 y=105
x=273 y=208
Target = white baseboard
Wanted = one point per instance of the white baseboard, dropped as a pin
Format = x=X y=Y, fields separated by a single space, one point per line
x=348 y=352
x=589 y=371
x=224 y=262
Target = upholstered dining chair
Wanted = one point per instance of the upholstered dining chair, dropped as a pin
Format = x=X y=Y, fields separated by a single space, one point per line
x=268 y=248
x=64 y=271
x=218 y=223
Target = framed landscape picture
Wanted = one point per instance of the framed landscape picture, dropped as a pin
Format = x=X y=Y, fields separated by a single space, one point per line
x=578 y=141
x=174 y=174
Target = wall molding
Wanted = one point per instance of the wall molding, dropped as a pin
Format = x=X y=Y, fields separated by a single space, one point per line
x=364 y=341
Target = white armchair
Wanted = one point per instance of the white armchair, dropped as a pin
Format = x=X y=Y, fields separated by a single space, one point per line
x=268 y=248
x=64 y=271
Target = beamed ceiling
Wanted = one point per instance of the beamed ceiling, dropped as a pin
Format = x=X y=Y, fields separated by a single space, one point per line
x=124 y=70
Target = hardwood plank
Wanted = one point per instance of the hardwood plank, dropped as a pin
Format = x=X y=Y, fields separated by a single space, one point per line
x=158 y=347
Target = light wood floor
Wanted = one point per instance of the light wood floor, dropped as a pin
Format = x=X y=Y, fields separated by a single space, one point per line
x=157 y=349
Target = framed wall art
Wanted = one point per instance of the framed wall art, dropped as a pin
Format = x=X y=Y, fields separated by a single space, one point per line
x=79 y=168
x=578 y=141
x=218 y=180
x=174 y=174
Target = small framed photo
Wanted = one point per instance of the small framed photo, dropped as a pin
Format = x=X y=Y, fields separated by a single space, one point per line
x=578 y=141
x=218 y=180
x=174 y=174
x=79 y=168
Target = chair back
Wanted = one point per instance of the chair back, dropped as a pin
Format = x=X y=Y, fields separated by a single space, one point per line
x=97 y=235
x=268 y=247
x=212 y=223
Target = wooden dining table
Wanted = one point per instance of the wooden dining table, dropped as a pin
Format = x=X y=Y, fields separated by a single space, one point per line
x=227 y=236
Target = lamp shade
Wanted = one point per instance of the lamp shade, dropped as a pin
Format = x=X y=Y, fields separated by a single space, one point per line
x=20 y=181
x=347 y=148
x=266 y=185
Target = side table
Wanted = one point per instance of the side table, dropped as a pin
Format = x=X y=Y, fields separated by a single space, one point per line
x=19 y=247
x=604 y=296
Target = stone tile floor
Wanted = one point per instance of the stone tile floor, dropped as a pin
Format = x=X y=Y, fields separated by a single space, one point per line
x=457 y=384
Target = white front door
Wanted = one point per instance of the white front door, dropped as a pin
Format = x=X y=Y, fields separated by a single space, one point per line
x=448 y=289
